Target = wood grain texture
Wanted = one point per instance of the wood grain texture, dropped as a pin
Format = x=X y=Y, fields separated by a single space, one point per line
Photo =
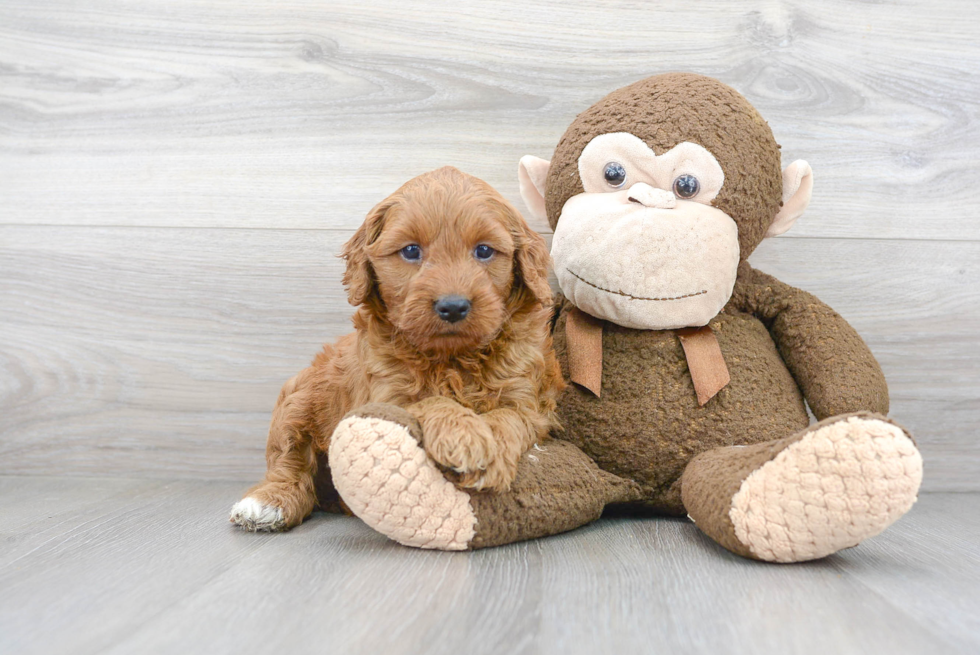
x=304 y=114
x=176 y=178
x=161 y=351
x=116 y=566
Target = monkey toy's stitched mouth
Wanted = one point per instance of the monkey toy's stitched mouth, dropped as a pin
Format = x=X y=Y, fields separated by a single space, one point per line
x=632 y=297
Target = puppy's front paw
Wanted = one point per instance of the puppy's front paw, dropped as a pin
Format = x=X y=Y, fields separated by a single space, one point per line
x=462 y=442
x=498 y=476
x=253 y=516
x=459 y=439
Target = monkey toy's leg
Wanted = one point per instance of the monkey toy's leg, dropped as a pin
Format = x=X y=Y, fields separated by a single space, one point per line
x=809 y=495
x=286 y=495
x=388 y=481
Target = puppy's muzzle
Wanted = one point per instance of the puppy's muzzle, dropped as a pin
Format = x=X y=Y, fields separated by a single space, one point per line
x=452 y=309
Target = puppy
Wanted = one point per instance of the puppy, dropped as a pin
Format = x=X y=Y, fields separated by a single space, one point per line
x=452 y=324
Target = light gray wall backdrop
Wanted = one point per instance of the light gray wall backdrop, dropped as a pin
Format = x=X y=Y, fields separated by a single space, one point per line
x=177 y=178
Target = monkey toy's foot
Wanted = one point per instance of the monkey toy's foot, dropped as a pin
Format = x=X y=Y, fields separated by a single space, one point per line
x=387 y=480
x=824 y=489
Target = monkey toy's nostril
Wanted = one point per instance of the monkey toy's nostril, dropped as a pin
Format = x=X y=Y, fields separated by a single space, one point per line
x=651 y=197
x=452 y=308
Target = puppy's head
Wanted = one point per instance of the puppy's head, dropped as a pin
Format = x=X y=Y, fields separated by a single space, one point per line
x=447 y=261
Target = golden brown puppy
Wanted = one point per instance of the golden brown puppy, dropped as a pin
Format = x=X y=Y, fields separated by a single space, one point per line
x=452 y=325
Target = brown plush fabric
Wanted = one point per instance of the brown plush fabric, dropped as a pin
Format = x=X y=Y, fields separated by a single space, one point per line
x=828 y=359
x=389 y=412
x=668 y=109
x=779 y=343
x=713 y=478
x=557 y=489
x=647 y=424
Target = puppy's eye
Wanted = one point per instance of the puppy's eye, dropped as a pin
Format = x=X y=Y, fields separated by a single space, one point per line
x=686 y=186
x=615 y=174
x=483 y=252
x=411 y=253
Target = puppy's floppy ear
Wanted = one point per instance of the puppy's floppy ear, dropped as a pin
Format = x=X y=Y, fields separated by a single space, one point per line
x=531 y=261
x=359 y=276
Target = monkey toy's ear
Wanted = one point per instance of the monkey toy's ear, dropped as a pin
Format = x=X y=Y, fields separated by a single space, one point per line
x=797 y=187
x=532 y=173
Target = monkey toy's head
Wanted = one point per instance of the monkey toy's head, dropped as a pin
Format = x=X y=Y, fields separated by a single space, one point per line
x=656 y=193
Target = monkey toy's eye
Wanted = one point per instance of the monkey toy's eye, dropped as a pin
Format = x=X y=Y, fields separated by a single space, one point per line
x=483 y=252
x=686 y=186
x=411 y=253
x=615 y=174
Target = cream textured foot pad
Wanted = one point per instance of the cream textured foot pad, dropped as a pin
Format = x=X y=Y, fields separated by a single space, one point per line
x=838 y=485
x=388 y=481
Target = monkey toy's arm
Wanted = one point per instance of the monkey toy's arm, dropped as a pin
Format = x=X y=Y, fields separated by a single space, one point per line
x=828 y=359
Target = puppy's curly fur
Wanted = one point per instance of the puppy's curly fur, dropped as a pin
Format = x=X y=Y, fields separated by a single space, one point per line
x=483 y=388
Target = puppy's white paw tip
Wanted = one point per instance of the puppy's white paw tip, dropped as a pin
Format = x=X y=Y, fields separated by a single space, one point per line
x=253 y=516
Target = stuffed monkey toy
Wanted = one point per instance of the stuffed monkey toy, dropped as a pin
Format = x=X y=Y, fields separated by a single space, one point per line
x=691 y=371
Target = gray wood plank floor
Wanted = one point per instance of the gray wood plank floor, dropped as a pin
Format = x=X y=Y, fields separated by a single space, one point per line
x=127 y=566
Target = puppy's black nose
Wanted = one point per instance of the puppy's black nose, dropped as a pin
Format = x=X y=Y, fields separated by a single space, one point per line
x=452 y=308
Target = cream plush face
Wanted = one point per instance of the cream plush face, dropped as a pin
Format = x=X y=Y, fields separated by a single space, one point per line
x=642 y=246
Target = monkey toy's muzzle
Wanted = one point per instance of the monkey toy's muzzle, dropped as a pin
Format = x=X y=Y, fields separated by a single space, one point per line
x=643 y=259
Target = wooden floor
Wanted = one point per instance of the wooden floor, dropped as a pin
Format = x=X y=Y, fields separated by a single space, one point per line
x=126 y=566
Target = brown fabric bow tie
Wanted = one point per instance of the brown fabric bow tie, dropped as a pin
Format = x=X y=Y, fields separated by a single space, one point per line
x=583 y=335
